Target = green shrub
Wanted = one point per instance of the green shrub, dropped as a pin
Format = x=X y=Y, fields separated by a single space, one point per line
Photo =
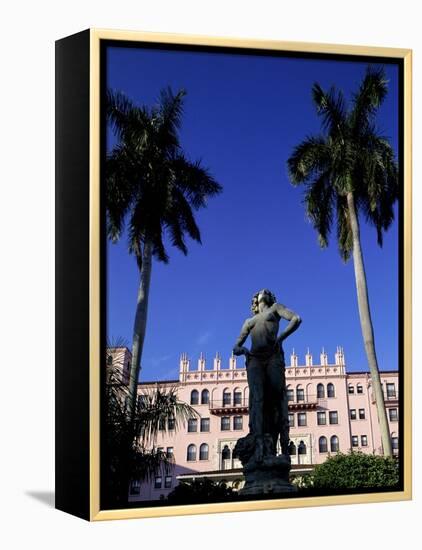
x=355 y=470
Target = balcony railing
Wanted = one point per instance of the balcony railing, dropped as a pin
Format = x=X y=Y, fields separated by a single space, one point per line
x=306 y=402
x=217 y=406
x=220 y=406
x=391 y=397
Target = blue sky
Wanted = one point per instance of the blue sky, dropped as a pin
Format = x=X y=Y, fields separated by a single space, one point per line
x=243 y=116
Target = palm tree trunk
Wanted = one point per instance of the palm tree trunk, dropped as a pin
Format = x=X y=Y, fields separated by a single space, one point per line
x=367 y=328
x=140 y=324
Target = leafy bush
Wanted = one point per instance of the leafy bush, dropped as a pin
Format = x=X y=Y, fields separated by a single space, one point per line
x=354 y=471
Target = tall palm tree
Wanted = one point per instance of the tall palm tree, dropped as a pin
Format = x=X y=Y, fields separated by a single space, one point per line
x=154 y=188
x=129 y=439
x=350 y=169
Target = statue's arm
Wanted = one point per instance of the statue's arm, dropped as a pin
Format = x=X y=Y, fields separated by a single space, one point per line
x=291 y=316
x=238 y=348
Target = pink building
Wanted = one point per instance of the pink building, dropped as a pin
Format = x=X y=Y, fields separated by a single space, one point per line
x=330 y=410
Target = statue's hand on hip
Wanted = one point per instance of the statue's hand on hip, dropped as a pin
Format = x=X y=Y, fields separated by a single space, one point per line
x=241 y=350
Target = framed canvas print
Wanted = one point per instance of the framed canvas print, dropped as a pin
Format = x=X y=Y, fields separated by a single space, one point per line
x=233 y=279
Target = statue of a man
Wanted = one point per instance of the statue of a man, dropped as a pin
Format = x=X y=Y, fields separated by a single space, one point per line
x=268 y=407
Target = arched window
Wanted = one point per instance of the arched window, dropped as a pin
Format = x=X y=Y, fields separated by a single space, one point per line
x=203 y=452
x=351 y=388
x=323 y=445
x=300 y=394
x=292 y=448
x=334 y=445
x=194 y=397
x=109 y=360
x=320 y=391
x=227 y=397
x=225 y=453
x=205 y=397
x=330 y=390
x=191 y=454
x=290 y=394
x=237 y=397
x=301 y=450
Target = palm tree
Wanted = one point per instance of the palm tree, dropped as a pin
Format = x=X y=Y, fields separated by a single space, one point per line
x=350 y=170
x=129 y=438
x=154 y=188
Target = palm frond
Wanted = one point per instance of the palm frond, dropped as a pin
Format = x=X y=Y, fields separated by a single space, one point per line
x=331 y=107
x=310 y=157
x=155 y=408
x=182 y=216
x=318 y=200
x=344 y=230
x=118 y=108
x=176 y=233
x=378 y=177
x=130 y=123
x=367 y=100
x=194 y=181
x=168 y=114
x=119 y=191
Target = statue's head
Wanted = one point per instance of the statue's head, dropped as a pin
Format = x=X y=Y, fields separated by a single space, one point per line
x=263 y=295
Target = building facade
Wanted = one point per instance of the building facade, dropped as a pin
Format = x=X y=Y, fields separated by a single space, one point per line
x=330 y=411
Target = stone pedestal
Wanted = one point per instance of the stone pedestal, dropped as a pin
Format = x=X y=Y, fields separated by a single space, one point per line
x=270 y=476
x=264 y=472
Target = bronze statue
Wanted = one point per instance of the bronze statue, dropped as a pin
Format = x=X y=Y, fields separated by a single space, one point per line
x=268 y=412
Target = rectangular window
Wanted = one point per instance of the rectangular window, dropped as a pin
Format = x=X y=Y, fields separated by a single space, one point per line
x=135 y=487
x=171 y=424
x=364 y=440
x=227 y=398
x=205 y=424
x=225 y=423
x=238 y=423
x=192 y=425
x=162 y=424
x=352 y=414
x=359 y=388
x=291 y=420
x=158 y=482
x=237 y=398
x=301 y=419
x=321 y=418
x=160 y=449
x=395 y=443
x=361 y=414
x=167 y=482
x=351 y=389
x=170 y=452
x=333 y=417
x=355 y=441
x=391 y=390
x=392 y=413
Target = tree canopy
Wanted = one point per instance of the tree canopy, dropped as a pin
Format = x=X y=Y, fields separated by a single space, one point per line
x=349 y=156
